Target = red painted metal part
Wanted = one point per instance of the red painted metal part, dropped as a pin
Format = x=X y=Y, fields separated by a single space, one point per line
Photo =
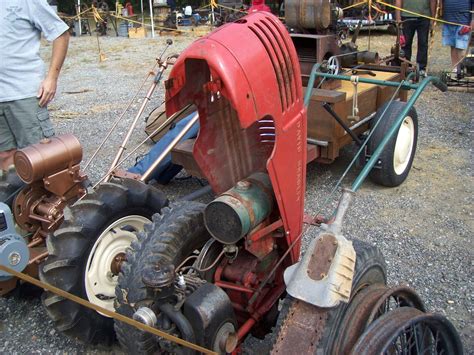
x=242 y=91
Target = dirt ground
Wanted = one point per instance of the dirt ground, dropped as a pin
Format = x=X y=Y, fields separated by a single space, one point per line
x=424 y=227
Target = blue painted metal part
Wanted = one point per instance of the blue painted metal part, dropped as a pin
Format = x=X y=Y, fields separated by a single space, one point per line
x=14 y=251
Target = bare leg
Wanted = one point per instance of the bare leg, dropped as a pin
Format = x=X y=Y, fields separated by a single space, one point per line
x=6 y=159
x=456 y=56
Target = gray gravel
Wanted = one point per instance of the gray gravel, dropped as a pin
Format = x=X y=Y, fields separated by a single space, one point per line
x=423 y=227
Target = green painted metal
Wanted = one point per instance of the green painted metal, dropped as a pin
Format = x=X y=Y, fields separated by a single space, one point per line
x=309 y=89
x=405 y=85
x=316 y=73
x=250 y=200
x=376 y=154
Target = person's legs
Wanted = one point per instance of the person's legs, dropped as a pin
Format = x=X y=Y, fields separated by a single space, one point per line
x=28 y=122
x=459 y=49
x=7 y=141
x=422 y=30
x=456 y=56
x=409 y=27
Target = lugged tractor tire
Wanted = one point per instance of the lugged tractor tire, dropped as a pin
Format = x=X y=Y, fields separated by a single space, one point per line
x=370 y=269
x=10 y=186
x=397 y=157
x=90 y=231
x=172 y=237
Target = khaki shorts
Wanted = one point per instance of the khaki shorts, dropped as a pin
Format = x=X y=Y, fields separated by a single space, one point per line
x=23 y=122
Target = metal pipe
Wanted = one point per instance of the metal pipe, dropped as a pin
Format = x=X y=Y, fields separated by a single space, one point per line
x=172 y=117
x=317 y=142
x=152 y=20
x=405 y=86
x=309 y=88
x=168 y=149
x=329 y=109
x=119 y=119
x=341 y=210
x=185 y=328
x=135 y=121
x=361 y=122
x=376 y=154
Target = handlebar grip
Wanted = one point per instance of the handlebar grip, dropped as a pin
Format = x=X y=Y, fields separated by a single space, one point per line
x=440 y=85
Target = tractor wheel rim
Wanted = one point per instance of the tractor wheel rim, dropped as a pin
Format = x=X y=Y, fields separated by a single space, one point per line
x=113 y=242
x=404 y=145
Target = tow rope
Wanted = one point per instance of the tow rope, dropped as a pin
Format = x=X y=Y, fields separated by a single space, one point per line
x=105 y=311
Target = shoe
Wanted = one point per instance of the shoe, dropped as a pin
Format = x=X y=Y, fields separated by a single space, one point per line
x=423 y=74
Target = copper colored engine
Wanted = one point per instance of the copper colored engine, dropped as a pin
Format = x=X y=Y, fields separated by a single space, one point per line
x=51 y=170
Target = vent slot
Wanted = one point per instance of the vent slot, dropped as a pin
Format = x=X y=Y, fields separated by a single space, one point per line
x=266 y=131
x=278 y=51
x=270 y=51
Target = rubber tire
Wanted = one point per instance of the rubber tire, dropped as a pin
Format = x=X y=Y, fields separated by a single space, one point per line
x=69 y=250
x=171 y=238
x=9 y=189
x=370 y=269
x=385 y=175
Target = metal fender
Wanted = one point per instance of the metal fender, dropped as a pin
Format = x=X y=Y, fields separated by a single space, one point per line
x=324 y=275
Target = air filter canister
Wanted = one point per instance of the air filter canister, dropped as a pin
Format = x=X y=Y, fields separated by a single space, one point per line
x=237 y=211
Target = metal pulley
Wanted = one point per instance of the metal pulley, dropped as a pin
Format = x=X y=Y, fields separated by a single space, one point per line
x=13 y=249
x=308 y=14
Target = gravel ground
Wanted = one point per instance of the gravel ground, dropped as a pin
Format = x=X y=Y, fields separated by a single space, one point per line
x=423 y=227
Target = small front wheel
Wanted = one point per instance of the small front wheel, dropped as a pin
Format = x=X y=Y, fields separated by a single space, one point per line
x=397 y=157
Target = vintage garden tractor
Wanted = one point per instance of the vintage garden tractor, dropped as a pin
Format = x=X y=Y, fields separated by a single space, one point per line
x=211 y=274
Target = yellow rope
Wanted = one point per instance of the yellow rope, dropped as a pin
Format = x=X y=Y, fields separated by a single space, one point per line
x=162 y=27
x=369 y=2
x=355 y=5
x=78 y=15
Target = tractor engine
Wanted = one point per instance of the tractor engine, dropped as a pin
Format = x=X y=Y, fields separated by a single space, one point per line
x=51 y=171
x=206 y=301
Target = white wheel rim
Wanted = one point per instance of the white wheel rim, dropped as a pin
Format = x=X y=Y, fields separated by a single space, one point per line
x=404 y=145
x=99 y=280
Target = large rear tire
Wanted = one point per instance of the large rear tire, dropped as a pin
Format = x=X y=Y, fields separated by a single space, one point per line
x=171 y=238
x=86 y=251
x=397 y=157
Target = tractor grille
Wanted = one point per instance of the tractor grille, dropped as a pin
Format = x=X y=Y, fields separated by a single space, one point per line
x=278 y=51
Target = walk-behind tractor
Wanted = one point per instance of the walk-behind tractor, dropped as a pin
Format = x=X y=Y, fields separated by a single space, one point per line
x=211 y=274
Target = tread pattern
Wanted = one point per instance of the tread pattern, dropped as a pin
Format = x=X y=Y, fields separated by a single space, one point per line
x=69 y=249
x=172 y=236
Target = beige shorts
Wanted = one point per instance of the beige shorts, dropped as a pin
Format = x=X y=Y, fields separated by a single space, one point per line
x=23 y=122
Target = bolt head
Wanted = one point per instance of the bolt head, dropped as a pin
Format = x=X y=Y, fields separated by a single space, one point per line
x=244 y=185
x=14 y=258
